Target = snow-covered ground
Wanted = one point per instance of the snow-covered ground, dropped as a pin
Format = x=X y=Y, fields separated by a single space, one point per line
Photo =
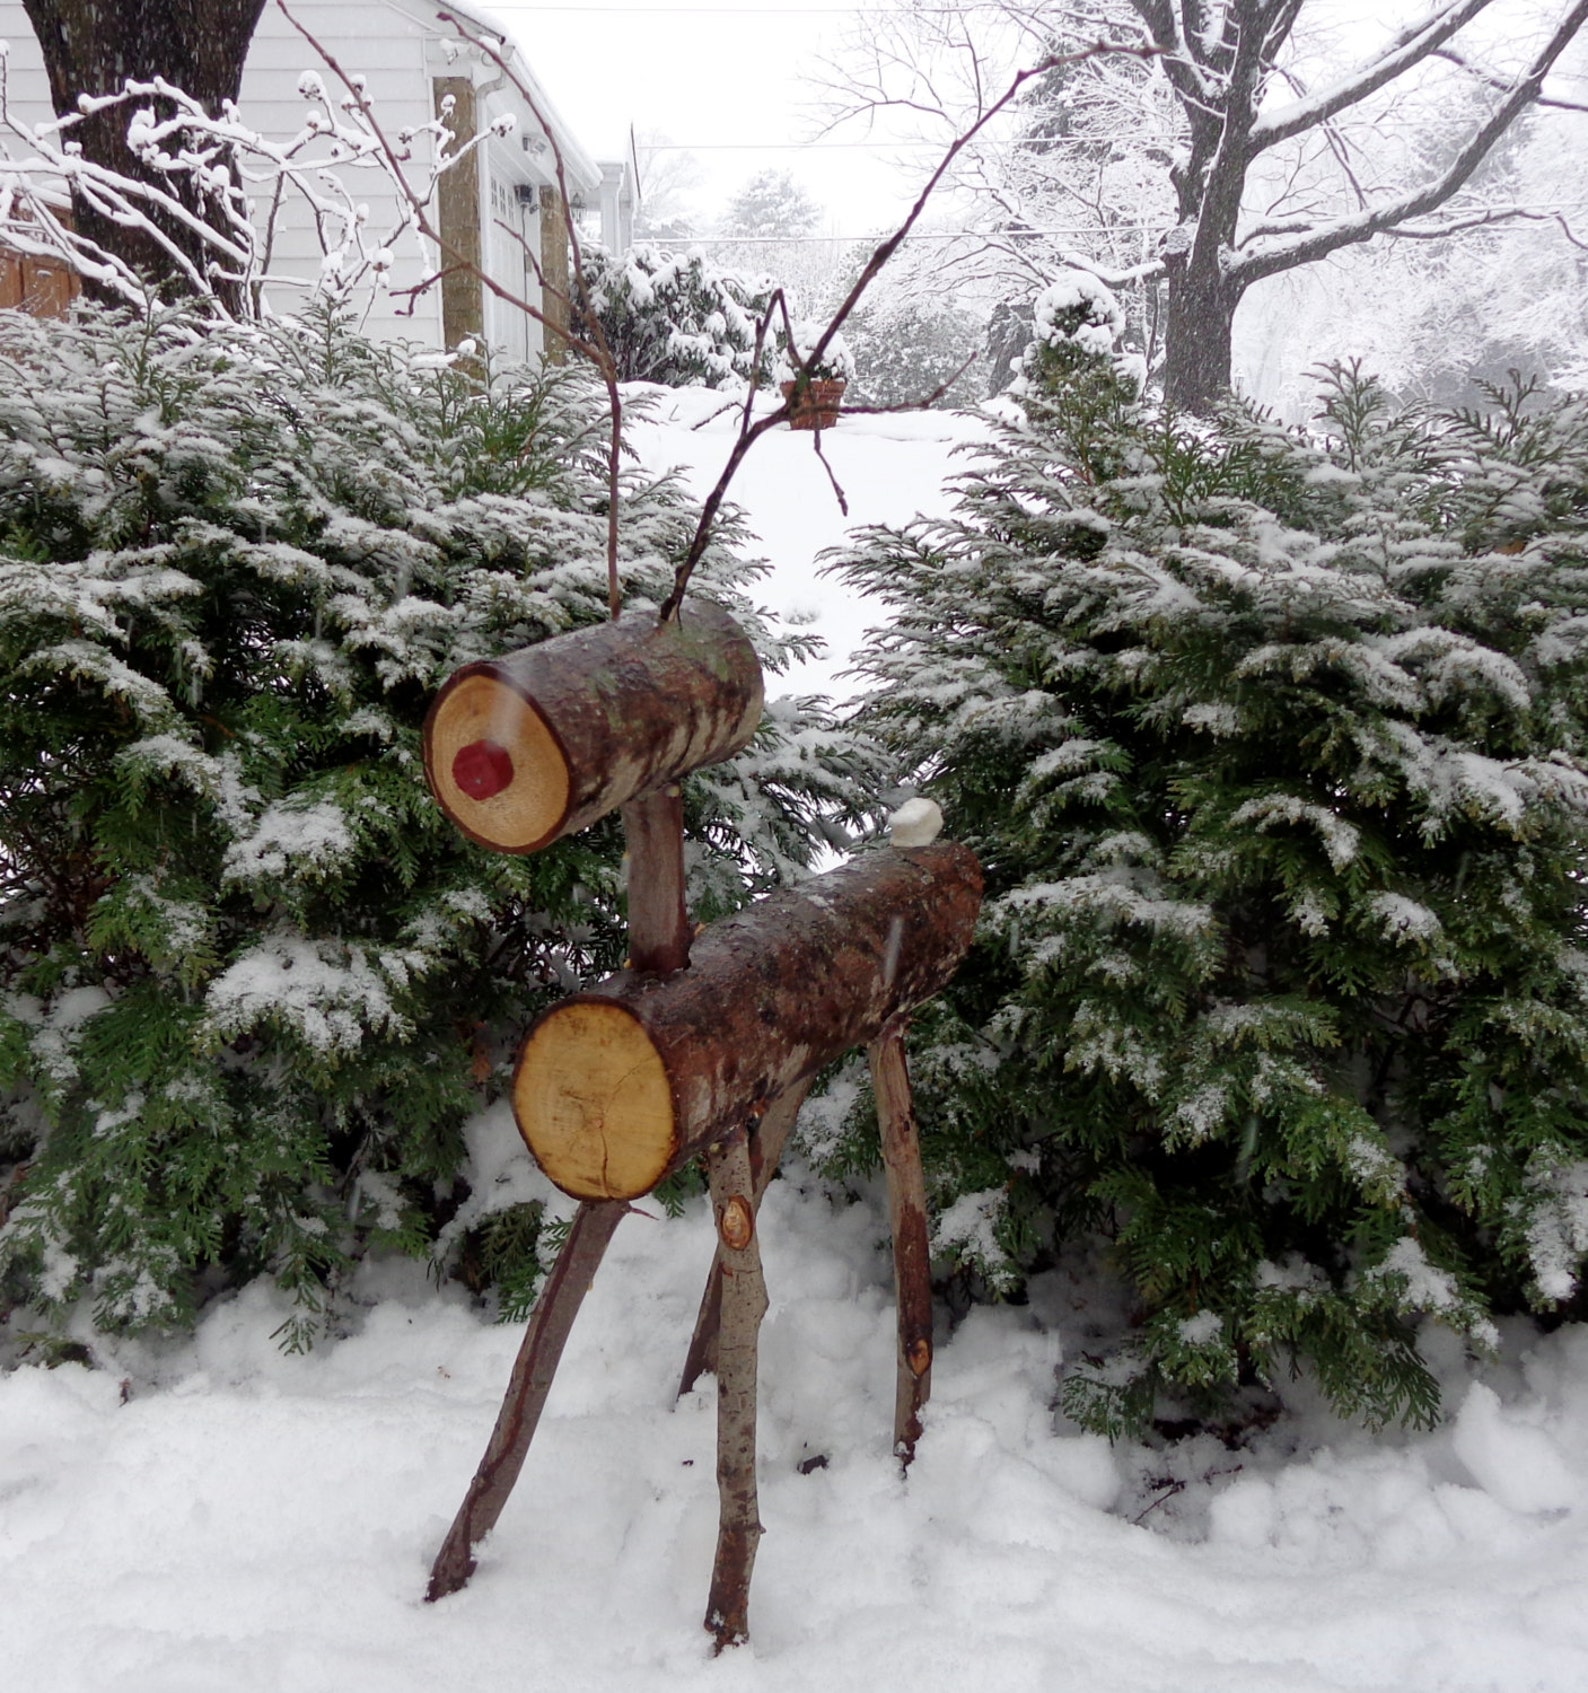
x=214 y=1517
x=223 y=1519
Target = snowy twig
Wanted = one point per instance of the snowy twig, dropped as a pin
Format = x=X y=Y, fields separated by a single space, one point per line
x=193 y=208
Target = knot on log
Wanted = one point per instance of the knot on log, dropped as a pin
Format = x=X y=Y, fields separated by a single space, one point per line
x=737 y=1223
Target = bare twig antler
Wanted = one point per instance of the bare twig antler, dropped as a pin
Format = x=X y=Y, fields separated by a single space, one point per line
x=883 y=252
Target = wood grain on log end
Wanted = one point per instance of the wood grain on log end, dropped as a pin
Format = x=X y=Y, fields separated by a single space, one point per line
x=594 y=1103
x=482 y=710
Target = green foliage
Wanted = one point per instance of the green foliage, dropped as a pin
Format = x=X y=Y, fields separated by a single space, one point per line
x=1273 y=746
x=254 y=988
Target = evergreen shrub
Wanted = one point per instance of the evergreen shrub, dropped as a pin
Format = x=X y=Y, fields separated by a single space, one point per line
x=253 y=985
x=907 y=346
x=1272 y=742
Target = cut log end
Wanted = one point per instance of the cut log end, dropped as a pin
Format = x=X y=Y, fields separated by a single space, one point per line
x=511 y=801
x=594 y=1103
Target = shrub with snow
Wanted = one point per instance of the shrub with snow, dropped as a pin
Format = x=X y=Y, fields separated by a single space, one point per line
x=1273 y=745
x=1075 y=328
x=907 y=346
x=252 y=983
x=676 y=319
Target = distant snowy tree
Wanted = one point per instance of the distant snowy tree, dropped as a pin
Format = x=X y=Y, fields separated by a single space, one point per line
x=770 y=228
x=1243 y=146
x=771 y=204
x=252 y=982
x=679 y=319
x=1275 y=748
x=909 y=337
x=1436 y=318
x=669 y=182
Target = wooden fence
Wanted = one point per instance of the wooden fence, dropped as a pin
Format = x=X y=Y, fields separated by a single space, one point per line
x=44 y=287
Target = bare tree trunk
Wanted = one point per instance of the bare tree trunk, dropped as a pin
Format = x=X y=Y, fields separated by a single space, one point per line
x=538 y=1356
x=1198 y=339
x=912 y=1246
x=767 y=1140
x=94 y=46
x=743 y=1306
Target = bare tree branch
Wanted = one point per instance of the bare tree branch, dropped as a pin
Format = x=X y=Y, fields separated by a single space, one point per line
x=1251 y=267
x=1415 y=43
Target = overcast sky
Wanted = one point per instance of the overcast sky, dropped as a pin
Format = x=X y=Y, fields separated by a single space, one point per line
x=723 y=79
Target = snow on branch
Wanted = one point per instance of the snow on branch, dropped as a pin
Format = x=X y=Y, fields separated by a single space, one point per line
x=1414 y=44
x=211 y=178
x=1418 y=202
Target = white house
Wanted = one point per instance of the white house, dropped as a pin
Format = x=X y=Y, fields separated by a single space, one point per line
x=501 y=206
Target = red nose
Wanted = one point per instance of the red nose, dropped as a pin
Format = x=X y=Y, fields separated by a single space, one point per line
x=482 y=769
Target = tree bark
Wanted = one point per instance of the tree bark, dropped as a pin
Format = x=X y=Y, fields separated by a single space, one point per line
x=94 y=47
x=653 y=826
x=768 y=1137
x=743 y=1306
x=912 y=1246
x=522 y=750
x=618 y=1086
x=1198 y=337
x=549 y=1326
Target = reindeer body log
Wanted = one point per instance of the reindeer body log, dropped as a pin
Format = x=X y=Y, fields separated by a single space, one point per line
x=522 y=750
x=617 y=1087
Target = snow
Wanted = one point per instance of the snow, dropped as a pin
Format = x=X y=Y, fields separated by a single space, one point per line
x=890 y=466
x=291 y=837
x=219 y=1515
x=325 y=993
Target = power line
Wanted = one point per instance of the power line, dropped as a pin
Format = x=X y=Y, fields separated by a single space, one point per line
x=1037 y=145
x=917 y=235
x=1012 y=236
x=769 y=11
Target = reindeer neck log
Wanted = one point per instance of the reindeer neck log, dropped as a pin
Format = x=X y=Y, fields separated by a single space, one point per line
x=619 y=1086
x=522 y=750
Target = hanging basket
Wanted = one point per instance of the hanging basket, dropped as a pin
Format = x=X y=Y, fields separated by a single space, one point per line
x=818 y=406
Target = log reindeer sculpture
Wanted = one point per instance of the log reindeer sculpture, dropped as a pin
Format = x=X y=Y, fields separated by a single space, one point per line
x=700 y=1046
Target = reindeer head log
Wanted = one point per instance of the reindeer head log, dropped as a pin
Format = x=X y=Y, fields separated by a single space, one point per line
x=522 y=750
